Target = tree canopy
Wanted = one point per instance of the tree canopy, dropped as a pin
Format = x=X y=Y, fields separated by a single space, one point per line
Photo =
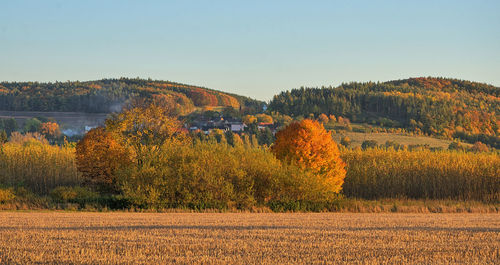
x=308 y=145
x=434 y=106
x=108 y=95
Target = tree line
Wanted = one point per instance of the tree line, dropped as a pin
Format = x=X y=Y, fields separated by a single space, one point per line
x=108 y=95
x=434 y=106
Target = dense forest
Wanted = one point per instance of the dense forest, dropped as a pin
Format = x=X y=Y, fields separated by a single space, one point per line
x=107 y=95
x=435 y=106
x=448 y=108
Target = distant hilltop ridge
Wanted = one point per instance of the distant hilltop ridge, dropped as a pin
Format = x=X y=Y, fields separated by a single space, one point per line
x=444 y=107
x=433 y=106
x=108 y=95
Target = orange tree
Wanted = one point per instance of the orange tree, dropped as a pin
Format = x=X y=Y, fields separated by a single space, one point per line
x=309 y=146
x=98 y=157
x=323 y=118
x=50 y=130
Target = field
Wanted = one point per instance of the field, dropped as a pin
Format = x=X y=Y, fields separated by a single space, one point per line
x=357 y=139
x=248 y=238
x=68 y=120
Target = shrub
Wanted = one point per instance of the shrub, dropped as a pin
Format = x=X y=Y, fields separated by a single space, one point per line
x=345 y=141
x=6 y=195
x=73 y=195
x=479 y=147
x=32 y=125
x=202 y=175
x=369 y=144
x=207 y=174
x=323 y=118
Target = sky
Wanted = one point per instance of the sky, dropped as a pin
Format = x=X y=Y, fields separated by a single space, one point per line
x=253 y=48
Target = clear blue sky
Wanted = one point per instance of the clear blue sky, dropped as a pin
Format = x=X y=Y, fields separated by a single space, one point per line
x=254 y=48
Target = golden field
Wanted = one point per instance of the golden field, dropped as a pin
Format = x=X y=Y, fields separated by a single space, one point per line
x=248 y=238
x=357 y=138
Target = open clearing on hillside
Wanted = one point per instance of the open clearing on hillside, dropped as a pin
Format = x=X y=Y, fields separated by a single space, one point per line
x=248 y=238
x=66 y=119
x=357 y=139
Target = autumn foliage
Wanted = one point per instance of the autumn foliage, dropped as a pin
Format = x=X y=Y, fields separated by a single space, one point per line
x=50 y=130
x=308 y=145
x=249 y=119
x=98 y=157
x=422 y=174
x=323 y=118
x=145 y=125
x=103 y=95
x=40 y=167
x=441 y=107
x=264 y=118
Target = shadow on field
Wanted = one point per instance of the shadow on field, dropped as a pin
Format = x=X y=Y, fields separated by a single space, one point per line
x=154 y=227
x=424 y=229
x=259 y=227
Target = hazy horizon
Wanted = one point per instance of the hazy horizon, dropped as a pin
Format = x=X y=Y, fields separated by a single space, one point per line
x=256 y=49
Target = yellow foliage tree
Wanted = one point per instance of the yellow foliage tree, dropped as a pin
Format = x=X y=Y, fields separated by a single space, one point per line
x=308 y=145
x=149 y=125
x=264 y=118
x=249 y=119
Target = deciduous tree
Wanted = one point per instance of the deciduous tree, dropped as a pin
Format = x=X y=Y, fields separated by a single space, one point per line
x=50 y=130
x=308 y=145
x=98 y=157
x=249 y=119
x=264 y=118
x=149 y=125
x=323 y=118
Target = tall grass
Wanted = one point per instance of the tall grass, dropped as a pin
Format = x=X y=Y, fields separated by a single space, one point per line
x=377 y=173
x=37 y=166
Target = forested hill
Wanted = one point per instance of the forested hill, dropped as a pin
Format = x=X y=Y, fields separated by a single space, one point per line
x=109 y=94
x=435 y=106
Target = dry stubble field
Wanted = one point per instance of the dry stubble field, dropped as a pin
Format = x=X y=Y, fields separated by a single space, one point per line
x=248 y=238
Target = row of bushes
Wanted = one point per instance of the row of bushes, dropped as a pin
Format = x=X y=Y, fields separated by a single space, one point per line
x=63 y=197
x=74 y=198
x=199 y=175
x=84 y=198
x=207 y=174
x=212 y=175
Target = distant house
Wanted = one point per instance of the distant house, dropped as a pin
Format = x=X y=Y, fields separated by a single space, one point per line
x=237 y=127
x=207 y=125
